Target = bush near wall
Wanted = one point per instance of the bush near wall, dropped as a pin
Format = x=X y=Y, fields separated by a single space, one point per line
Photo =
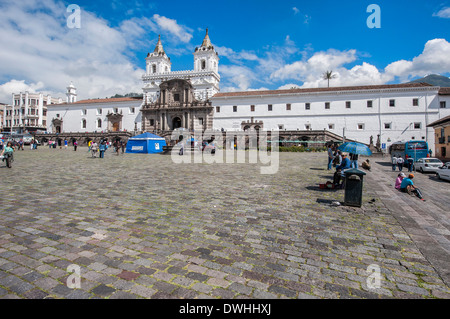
x=299 y=149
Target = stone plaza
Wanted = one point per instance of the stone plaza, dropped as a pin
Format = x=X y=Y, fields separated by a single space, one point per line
x=142 y=226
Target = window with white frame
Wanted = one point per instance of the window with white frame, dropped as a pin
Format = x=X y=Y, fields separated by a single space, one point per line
x=417 y=125
x=387 y=126
x=360 y=126
x=331 y=126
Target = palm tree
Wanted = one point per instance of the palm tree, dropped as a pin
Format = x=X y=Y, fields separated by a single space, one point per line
x=328 y=75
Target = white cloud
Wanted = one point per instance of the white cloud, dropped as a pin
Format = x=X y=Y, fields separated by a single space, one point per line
x=433 y=59
x=182 y=33
x=443 y=13
x=236 y=57
x=239 y=78
x=15 y=86
x=40 y=52
x=312 y=68
x=295 y=10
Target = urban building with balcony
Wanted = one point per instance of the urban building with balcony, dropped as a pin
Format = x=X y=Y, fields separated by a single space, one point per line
x=28 y=112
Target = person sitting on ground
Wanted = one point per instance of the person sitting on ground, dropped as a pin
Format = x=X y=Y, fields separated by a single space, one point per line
x=399 y=179
x=366 y=164
x=407 y=186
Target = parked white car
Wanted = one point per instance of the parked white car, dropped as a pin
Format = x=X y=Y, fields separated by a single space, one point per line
x=444 y=172
x=428 y=164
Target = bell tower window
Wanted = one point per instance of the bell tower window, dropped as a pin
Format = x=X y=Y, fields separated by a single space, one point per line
x=203 y=64
x=154 y=68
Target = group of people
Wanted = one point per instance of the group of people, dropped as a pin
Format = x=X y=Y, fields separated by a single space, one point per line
x=101 y=148
x=335 y=158
x=400 y=162
x=406 y=185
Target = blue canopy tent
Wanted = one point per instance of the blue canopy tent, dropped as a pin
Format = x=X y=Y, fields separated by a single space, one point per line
x=146 y=143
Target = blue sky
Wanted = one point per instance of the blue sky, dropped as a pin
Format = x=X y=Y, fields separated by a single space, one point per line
x=261 y=44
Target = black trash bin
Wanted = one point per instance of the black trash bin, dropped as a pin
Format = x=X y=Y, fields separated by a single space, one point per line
x=353 y=187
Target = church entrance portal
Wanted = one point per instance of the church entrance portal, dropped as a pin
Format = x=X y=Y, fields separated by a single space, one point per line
x=176 y=123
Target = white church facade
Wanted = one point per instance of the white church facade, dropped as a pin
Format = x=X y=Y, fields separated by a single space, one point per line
x=192 y=99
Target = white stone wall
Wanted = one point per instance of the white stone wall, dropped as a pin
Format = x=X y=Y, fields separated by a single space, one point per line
x=358 y=122
x=73 y=115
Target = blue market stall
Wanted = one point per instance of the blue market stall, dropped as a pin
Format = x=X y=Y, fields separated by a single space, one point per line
x=146 y=143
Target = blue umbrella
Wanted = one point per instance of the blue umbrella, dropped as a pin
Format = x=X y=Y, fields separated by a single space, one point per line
x=355 y=148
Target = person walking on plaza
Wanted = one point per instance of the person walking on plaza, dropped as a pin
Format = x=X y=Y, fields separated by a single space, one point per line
x=330 y=156
x=394 y=163
x=102 y=149
x=407 y=186
x=20 y=145
x=75 y=145
x=116 y=147
x=89 y=146
x=400 y=162
x=66 y=143
x=94 y=149
x=122 y=145
x=8 y=151
x=409 y=163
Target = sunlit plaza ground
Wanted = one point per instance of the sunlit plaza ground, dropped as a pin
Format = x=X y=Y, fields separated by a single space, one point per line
x=142 y=226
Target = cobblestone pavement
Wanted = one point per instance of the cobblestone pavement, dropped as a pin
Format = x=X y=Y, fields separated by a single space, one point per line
x=141 y=226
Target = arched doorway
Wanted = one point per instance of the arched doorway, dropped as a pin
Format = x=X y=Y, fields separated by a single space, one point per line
x=176 y=123
x=58 y=129
x=116 y=127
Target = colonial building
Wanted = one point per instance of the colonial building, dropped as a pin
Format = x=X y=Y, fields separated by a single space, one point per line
x=96 y=115
x=386 y=112
x=204 y=78
x=28 y=111
x=177 y=107
x=1 y=115
x=442 y=137
x=192 y=100
x=442 y=128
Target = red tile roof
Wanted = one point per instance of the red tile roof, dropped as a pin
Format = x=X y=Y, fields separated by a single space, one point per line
x=444 y=91
x=443 y=120
x=326 y=89
x=111 y=100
